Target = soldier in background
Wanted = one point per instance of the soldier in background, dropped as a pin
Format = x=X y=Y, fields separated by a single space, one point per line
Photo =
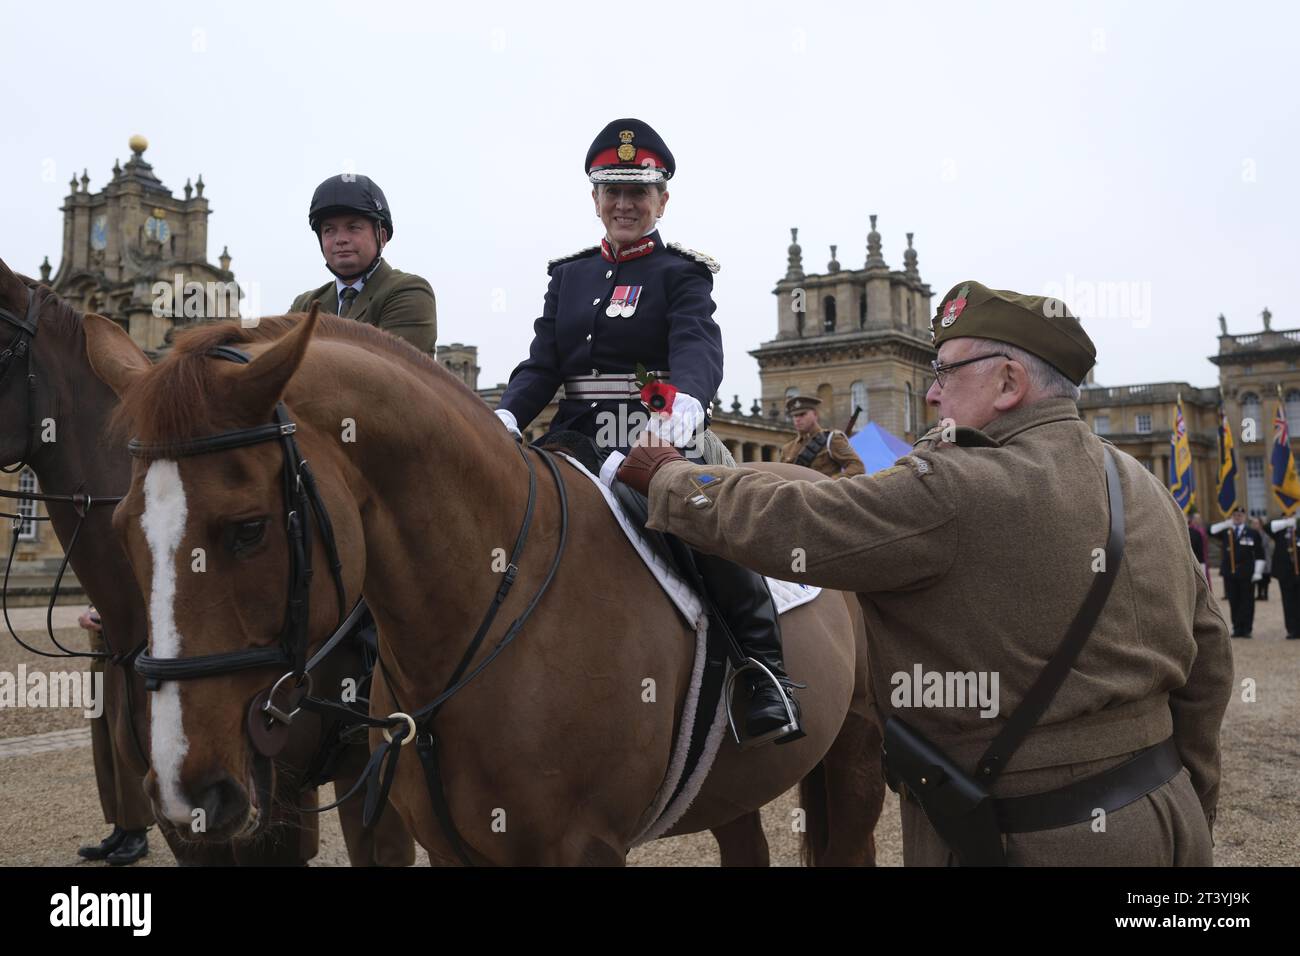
x=353 y=223
x=1261 y=586
x=1243 y=565
x=822 y=449
x=1286 y=568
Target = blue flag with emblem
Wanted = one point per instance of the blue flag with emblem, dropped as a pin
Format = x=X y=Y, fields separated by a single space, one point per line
x=1227 y=479
x=1286 y=484
x=1182 y=482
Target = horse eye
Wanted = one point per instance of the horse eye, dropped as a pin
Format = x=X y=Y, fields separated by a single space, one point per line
x=244 y=535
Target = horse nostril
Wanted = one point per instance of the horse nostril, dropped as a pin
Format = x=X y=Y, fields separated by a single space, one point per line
x=223 y=803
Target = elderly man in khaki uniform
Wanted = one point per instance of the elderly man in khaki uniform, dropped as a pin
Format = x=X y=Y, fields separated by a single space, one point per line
x=353 y=223
x=822 y=449
x=973 y=555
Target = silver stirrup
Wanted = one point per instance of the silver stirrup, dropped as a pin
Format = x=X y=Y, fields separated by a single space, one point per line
x=728 y=688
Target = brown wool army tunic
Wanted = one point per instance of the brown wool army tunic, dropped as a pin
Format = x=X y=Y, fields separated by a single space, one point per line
x=975 y=555
x=836 y=458
x=398 y=302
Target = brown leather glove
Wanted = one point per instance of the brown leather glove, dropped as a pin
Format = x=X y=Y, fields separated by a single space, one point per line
x=641 y=464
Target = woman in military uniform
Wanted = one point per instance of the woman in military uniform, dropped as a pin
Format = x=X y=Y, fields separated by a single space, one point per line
x=635 y=301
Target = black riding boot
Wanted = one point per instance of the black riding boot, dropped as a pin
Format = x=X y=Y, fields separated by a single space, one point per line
x=743 y=599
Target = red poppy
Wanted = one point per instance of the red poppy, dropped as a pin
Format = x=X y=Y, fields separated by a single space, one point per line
x=658 y=396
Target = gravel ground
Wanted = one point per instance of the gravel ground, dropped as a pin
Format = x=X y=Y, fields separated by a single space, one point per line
x=48 y=803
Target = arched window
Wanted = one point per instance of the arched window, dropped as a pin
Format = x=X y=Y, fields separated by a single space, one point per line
x=798 y=321
x=907 y=407
x=828 y=314
x=1293 y=412
x=862 y=310
x=858 y=399
x=911 y=312
x=1250 y=410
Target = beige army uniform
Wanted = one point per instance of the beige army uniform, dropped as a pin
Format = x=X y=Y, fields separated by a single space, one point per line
x=837 y=459
x=398 y=302
x=975 y=556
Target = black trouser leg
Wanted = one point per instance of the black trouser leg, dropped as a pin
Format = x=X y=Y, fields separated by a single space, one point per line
x=1290 y=589
x=1232 y=591
x=1248 y=610
x=1241 y=597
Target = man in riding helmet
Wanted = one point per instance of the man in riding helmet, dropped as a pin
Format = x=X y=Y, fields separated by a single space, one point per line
x=353 y=223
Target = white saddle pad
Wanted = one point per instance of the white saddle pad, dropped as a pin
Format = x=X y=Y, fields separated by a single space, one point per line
x=665 y=811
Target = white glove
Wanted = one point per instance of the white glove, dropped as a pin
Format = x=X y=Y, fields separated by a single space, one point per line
x=610 y=468
x=1221 y=527
x=1281 y=524
x=677 y=429
x=1259 y=571
x=508 y=419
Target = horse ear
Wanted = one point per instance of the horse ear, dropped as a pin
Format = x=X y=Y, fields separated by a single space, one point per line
x=262 y=381
x=115 y=358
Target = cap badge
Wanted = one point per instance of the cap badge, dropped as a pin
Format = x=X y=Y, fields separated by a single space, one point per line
x=954 y=307
x=626 y=152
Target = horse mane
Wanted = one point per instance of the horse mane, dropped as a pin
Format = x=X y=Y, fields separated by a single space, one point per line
x=169 y=403
x=66 y=319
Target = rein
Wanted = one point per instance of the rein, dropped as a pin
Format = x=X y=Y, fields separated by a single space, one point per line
x=20 y=349
x=401 y=727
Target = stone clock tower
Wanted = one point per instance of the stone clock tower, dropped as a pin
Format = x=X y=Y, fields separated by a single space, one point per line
x=139 y=255
x=855 y=338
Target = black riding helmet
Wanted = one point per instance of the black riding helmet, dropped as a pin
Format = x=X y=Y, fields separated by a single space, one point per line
x=351 y=192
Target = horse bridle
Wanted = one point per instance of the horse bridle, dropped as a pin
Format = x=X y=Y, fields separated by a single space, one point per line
x=20 y=349
x=302 y=501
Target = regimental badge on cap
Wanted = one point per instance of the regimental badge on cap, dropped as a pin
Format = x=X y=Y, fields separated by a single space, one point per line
x=626 y=151
x=953 y=309
x=624 y=301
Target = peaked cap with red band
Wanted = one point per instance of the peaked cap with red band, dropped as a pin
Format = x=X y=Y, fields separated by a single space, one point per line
x=629 y=151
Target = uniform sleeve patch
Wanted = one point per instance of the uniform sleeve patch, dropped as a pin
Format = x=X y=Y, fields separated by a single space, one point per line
x=918 y=465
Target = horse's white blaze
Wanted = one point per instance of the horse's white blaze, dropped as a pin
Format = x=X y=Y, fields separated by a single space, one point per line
x=163 y=523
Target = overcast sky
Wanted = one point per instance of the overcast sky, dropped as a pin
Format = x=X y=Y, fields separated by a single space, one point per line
x=1140 y=157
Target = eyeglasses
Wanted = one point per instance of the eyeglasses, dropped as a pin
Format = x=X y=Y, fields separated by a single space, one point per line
x=941 y=370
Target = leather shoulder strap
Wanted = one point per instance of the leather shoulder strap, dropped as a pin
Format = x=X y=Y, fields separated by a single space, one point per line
x=1044 y=688
x=811 y=450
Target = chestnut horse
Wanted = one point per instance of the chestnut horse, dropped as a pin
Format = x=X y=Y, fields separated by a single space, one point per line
x=555 y=752
x=66 y=391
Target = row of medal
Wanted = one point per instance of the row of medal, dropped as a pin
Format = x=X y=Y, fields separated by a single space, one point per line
x=624 y=301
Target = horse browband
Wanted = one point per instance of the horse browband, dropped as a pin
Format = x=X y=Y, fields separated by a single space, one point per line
x=301 y=499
